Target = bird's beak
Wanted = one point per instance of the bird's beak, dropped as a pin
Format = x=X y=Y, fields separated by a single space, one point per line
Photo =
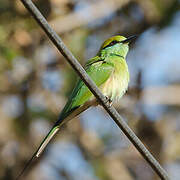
x=129 y=39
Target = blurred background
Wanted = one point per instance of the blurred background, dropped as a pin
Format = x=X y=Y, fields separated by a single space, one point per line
x=35 y=82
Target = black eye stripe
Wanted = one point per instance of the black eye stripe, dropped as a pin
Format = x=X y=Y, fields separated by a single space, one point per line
x=111 y=44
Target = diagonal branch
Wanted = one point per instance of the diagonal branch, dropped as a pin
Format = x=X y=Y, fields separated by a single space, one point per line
x=91 y=85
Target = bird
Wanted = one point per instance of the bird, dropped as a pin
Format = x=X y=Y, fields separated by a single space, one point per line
x=109 y=70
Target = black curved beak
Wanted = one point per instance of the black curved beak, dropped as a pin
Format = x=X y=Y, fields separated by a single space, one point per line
x=129 y=39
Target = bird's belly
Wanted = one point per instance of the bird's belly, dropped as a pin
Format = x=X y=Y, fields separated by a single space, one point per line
x=116 y=85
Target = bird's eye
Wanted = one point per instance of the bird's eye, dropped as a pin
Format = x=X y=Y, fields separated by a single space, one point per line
x=113 y=42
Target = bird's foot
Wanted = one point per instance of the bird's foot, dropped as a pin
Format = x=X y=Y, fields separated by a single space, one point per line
x=109 y=100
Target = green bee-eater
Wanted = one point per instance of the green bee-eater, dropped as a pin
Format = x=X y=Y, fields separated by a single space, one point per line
x=108 y=69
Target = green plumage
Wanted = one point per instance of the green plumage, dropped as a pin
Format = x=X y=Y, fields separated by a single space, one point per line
x=110 y=73
x=99 y=73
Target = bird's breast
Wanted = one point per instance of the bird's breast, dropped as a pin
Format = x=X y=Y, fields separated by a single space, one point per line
x=117 y=83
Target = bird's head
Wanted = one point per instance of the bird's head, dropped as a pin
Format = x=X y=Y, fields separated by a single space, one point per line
x=116 y=44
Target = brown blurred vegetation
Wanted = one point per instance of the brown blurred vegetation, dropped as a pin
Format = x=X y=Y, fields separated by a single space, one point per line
x=35 y=81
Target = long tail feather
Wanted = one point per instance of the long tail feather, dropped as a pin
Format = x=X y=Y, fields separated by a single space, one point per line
x=46 y=140
x=42 y=146
x=62 y=119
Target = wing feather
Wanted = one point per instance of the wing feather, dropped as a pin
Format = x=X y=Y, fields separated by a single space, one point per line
x=99 y=71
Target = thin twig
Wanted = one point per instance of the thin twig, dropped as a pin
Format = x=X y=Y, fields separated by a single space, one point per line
x=94 y=89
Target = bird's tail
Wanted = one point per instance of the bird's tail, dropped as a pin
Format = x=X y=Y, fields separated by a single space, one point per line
x=46 y=140
x=65 y=116
x=44 y=143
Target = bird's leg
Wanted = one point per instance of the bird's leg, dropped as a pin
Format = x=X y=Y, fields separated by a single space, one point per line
x=109 y=100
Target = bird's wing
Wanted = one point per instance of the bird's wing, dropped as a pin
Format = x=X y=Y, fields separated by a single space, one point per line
x=99 y=71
